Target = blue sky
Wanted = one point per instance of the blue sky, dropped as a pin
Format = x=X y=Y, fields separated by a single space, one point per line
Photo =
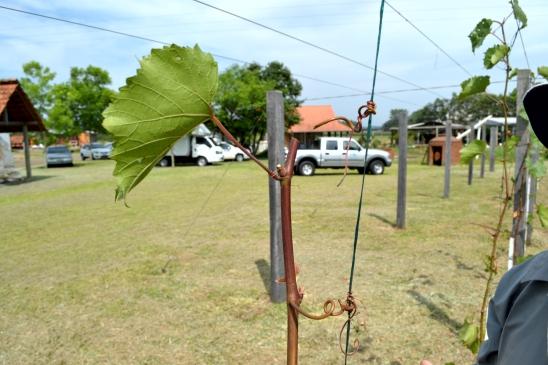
x=347 y=27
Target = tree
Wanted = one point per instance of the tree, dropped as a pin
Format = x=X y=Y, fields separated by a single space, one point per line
x=241 y=99
x=71 y=107
x=464 y=111
x=38 y=86
x=393 y=121
x=290 y=88
x=476 y=107
x=241 y=104
x=88 y=96
x=436 y=110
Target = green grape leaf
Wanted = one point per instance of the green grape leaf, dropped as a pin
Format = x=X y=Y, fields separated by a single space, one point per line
x=513 y=73
x=542 y=213
x=480 y=32
x=468 y=334
x=536 y=168
x=510 y=144
x=471 y=150
x=494 y=54
x=168 y=97
x=543 y=71
x=519 y=14
x=474 y=85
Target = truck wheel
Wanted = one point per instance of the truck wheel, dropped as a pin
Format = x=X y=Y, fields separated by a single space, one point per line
x=165 y=162
x=83 y=157
x=376 y=167
x=307 y=168
x=239 y=157
x=201 y=161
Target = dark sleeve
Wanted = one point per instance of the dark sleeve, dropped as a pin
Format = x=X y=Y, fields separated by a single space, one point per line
x=499 y=307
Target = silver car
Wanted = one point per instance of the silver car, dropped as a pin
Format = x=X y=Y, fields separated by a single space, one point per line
x=58 y=155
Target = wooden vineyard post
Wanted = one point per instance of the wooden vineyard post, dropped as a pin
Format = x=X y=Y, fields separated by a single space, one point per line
x=493 y=142
x=520 y=173
x=275 y=128
x=448 y=160
x=402 y=170
x=482 y=167
x=471 y=138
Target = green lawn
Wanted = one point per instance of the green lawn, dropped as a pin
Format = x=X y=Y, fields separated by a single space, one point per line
x=179 y=277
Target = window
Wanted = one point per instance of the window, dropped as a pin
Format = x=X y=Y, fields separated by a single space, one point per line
x=353 y=146
x=202 y=140
x=331 y=145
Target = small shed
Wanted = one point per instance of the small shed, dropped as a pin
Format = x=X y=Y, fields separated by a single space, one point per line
x=436 y=151
x=17 y=114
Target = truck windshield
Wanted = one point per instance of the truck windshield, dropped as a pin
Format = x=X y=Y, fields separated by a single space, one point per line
x=203 y=140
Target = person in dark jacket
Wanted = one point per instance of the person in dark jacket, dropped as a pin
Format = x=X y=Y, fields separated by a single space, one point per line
x=517 y=322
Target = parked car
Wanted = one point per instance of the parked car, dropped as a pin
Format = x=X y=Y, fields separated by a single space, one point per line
x=95 y=151
x=231 y=152
x=336 y=152
x=58 y=155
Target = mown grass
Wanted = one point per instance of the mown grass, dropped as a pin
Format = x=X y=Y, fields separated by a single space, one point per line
x=179 y=278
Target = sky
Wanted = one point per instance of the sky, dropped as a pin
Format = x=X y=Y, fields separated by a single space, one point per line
x=346 y=27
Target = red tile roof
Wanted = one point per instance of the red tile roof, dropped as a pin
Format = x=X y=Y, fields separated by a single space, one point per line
x=312 y=115
x=19 y=108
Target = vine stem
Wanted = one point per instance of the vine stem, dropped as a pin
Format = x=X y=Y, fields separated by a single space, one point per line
x=508 y=192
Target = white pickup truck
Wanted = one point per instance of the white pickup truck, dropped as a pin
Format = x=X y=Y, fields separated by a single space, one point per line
x=334 y=152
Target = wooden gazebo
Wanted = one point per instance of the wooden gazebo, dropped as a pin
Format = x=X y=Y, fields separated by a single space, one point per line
x=17 y=115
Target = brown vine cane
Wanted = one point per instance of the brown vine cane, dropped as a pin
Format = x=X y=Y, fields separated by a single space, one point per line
x=283 y=175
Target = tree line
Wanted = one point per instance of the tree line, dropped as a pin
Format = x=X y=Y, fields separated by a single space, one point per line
x=462 y=111
x=76 y=105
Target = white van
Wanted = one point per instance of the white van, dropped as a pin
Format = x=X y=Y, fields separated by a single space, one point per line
x=197 y=147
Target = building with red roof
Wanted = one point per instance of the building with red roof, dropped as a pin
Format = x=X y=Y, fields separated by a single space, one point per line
x=312 y=115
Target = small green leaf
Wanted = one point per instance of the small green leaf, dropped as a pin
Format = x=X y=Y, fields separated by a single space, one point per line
x=543 y=71
x=542 y=213
x=474 y=85
x=482 y=30
x=519 y=14
x=522 y=259
x=494 y=54
x=471 y=150
x=523 y=114
x=169 y=96
x=537 y=168
x=468 y=334
x=513 y=73
x=510 y=144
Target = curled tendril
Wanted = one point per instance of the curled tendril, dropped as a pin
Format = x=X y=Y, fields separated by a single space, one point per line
x=351 y=303
x=331 y=308
x=356 y=343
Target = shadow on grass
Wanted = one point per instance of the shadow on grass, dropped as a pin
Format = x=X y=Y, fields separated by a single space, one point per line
x=436 y=312
x=264 y=270
x=31 y=180
x=383 y=219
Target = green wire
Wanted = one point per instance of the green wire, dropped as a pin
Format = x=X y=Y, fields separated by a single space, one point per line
x=367 y=142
